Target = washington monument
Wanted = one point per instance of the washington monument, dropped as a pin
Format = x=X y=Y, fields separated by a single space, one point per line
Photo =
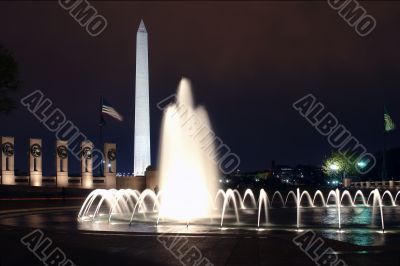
x=142 y=115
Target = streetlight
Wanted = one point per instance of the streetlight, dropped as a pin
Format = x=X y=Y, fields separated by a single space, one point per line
x=361 y=164
x=334 y=167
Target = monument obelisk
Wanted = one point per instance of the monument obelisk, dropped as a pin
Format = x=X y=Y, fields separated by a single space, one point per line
x=142 y=112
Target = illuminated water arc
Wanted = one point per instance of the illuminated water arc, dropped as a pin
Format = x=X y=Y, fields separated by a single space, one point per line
x=310 y=201
x=359 y=193
x=239 y=197
x=392 y=201
x=319 y=193
x=227 y=197
x=130 y=206
x=279 y=195
x=346 y=193
x=249 y=193
x=291 y=193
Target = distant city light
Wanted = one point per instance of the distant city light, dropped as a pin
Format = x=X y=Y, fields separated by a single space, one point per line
x=362 y=164
x=334 y=166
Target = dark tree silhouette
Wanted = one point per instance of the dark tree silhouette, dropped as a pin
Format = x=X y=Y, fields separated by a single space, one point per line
x=9 y=80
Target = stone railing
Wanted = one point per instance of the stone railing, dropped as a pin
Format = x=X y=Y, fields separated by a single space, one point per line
x=376 y=184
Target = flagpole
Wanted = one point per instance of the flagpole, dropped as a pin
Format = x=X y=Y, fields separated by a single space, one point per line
x=384 y=173
x=101 y=124
x=105 y=108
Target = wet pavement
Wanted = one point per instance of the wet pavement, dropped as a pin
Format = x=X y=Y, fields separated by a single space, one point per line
x=146 y=244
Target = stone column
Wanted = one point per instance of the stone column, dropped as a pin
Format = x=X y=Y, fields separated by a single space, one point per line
x=110 y=165
x=35 y=162
x=87 y=164
x=7 y=161
x=62 y=163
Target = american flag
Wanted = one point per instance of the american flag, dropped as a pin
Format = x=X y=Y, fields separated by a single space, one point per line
x=106 y=108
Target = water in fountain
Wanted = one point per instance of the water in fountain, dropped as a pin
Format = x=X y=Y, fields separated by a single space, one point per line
x=188 y=172
x=188 y=188
x=128 y=205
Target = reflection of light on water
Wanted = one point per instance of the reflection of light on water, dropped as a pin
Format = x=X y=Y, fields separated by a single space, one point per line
x=189 y=179
x=361 y=237
x=141 y=211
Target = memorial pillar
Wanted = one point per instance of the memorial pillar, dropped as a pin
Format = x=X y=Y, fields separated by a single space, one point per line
x=87 y=164
x=35 y=162
x=62 y=163
x=7 y=161
x=110 y=165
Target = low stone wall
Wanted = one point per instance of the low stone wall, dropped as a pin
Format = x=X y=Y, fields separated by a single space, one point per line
x=376 y=184
x=88 y=182
x=150 y=181
x=132 y=182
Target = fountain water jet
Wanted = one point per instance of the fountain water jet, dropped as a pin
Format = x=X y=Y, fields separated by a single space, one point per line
x=338 y=205
x=188 y=172
x=189 y=180
x=262 y=200
x=126 y=205
x=378 y=200
x=297 y=198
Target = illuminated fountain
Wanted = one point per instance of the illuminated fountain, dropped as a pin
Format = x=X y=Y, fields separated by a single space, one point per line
x=189 y=193
x=188 y=172
x=131 y=206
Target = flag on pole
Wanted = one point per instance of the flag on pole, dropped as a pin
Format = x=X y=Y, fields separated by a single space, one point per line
x=389 y=124
x=107 y=109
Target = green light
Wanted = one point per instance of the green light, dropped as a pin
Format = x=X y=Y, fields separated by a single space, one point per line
x=361 y=164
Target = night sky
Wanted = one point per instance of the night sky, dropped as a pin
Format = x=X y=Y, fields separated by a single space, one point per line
x=248 y=63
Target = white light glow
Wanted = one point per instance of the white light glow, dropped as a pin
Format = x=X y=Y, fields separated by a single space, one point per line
x=187 y=171
x=334 y=167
